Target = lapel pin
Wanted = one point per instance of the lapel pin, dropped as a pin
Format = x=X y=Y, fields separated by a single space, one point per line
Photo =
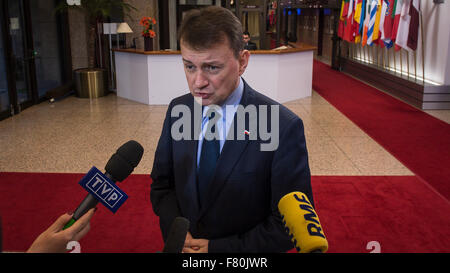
x=247 y=132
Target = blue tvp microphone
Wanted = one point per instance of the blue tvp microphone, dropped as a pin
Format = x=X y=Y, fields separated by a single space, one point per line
x=101 y=187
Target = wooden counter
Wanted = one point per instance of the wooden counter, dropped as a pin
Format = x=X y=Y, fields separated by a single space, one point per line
x=157 y=77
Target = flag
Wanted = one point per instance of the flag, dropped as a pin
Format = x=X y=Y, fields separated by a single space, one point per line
x=350 y=8
x=342 y=17
x=366 y=23
x=380 y=43
x=358 y=11
x=397 y=12
x=362 y=17
x=376 y=30
x=344 y=10
x=388 y=23
x=384 y=8
x=403 y=27
x=371 y=25
x=413 y=34
x=357 y=20
x=349 y=34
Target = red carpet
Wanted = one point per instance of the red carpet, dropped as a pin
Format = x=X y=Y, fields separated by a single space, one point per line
x=418 y=140
x=402 y=213
x=30 y=202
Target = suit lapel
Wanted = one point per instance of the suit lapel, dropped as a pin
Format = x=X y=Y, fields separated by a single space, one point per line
x=231 y=152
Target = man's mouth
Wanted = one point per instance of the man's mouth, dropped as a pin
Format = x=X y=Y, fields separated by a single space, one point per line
x=203 y=95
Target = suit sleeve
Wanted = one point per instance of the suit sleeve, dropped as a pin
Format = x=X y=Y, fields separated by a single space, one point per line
x=289 y=172
x=162 y=194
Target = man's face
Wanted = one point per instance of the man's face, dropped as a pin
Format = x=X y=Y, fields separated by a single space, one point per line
x=246 y=38
x=213 y=74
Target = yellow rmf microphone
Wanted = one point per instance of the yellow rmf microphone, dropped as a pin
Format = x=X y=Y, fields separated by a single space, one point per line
x=302 y=223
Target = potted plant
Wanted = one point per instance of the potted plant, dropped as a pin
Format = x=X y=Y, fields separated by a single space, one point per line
x=92 y=81
x=148 y=33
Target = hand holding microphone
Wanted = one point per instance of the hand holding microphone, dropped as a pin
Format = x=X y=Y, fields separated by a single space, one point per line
x=72 y=227
x=55 y=239
x=302 y=223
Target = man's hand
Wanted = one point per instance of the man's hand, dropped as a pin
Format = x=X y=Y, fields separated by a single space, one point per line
x=55 y=239
x=192 y=245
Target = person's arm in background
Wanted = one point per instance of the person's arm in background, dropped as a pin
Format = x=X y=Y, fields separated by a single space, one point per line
x=290 y=172
x=162 y=194
x=55 y=239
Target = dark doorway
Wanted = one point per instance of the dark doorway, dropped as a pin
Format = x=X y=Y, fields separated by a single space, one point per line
x=34 y=55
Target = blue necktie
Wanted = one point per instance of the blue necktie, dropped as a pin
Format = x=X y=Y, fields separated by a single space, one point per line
x=208 y=159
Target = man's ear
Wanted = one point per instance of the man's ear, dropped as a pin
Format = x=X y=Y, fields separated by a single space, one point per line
x=244 y=57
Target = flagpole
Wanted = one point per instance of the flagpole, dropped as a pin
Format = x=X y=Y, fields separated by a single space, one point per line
x=415 y=66
x=364 y=52
x=359 y=51
x=388 y=59
x=373 y=54
x=407 y=62
x=423 y=55
x=395 y=63
x=378 y=55
x=353 y=50
x=350 y=50
x=401 y=63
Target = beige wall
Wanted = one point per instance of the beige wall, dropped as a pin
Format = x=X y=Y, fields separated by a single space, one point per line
x=78 y=39
x=78 y=32
x=144 y=8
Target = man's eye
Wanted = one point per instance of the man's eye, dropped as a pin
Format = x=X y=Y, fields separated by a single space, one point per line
x=212 y=68
x=189 y=67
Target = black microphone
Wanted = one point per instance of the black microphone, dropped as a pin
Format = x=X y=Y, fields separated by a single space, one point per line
x=1 y=236
x=177 y=235
x=120 y=166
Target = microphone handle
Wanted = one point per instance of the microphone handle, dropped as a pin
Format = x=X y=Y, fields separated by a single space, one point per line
x=88 y=203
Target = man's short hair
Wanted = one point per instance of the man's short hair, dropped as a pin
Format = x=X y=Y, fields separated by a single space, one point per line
x=203 y=28
x=247 y=33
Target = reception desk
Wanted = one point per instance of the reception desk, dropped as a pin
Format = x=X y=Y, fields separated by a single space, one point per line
x=156 y=77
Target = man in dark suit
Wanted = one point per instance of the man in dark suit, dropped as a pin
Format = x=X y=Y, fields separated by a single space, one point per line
x=247 y=44
x=228 y=188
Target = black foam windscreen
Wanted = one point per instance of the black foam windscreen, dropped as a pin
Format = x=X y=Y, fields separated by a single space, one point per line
x=122 y=163
x=1 y=236
x=177 y=235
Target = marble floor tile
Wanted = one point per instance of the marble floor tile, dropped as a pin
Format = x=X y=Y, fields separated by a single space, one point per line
x=369 y=157
x=443 y=115
x=325 y=158
x=74 y=134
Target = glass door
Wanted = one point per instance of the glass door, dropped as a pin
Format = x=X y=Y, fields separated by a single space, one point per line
x=46 y=29
x=35 y=54
x=21 y=54
x=5 y=104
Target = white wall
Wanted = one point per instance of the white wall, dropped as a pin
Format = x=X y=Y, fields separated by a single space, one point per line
x=447 y=74
x=436 y=26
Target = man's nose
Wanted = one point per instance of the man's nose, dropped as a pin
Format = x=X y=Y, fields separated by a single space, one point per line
x=201 y=80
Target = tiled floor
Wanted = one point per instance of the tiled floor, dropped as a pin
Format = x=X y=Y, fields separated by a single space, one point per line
x=74 y=134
